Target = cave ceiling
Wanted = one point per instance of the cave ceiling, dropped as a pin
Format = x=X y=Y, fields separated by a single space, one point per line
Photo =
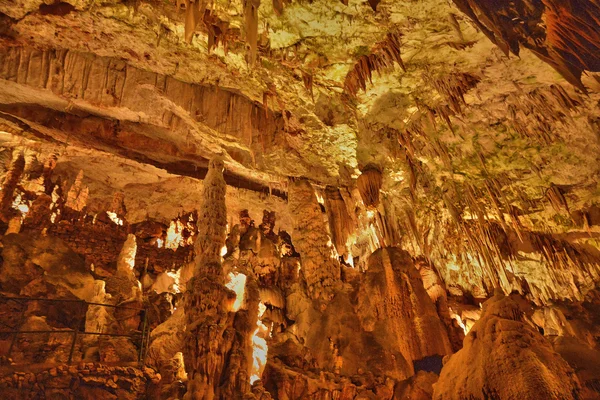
x=469 y=108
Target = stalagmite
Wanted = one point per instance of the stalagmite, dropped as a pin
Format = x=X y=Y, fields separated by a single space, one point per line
x=501 y=348
x=11 y=179
x=77 y=195
x=212 y=218
x=206 y=299
x=395 y=306
x=320 y=266
x=126 y=259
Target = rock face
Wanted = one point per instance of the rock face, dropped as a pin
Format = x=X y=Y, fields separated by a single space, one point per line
x=299 y=199
x=503 y=358
x=27 y=257
x=86 y=381
x=393 y=304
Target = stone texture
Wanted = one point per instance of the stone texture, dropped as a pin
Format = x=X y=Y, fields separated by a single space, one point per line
x=157 y=157
x=502 y=348
x=320 y=265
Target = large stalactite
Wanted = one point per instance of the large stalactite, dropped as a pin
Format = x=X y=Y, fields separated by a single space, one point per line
x=562 y=33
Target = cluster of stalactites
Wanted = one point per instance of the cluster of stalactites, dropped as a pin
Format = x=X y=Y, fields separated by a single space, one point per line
x=563 y=33
x=490 y=243
x=220 y=31
x=382 y=58
x=369 y=184
x=453 y=87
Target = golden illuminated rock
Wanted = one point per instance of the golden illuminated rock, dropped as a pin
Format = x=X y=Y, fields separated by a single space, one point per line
x=300 y=200
x=502 y=348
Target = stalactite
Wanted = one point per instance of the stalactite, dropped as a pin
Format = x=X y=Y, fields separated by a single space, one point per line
x=307 y=78
x=369 y=183
x=382 y=58
x=374 y=4
x=388 y=224
x=412 y=227
x=251 y=24
x=557 y=199
x=194 y=9
x=453 y=87
x=215 y=30
x=279 y=5
x=341 y=224
x=412 y=173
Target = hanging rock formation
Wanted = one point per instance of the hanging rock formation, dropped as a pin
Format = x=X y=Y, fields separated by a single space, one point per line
x=568 y=40
x=369 y=184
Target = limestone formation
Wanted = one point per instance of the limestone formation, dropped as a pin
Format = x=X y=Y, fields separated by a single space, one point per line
x=394 y=305
x=502 y=348
x=320 y=266
x=11 y=179
x=307 y=200
x=206 y=299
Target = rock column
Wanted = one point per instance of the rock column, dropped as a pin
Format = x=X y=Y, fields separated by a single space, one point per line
x=206 y=299
x=320 y=265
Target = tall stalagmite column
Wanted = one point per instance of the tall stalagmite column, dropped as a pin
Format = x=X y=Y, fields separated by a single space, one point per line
x=320 y=265
x=205 y=302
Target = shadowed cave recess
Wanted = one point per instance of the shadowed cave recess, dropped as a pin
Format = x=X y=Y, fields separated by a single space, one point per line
x=299 y=199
